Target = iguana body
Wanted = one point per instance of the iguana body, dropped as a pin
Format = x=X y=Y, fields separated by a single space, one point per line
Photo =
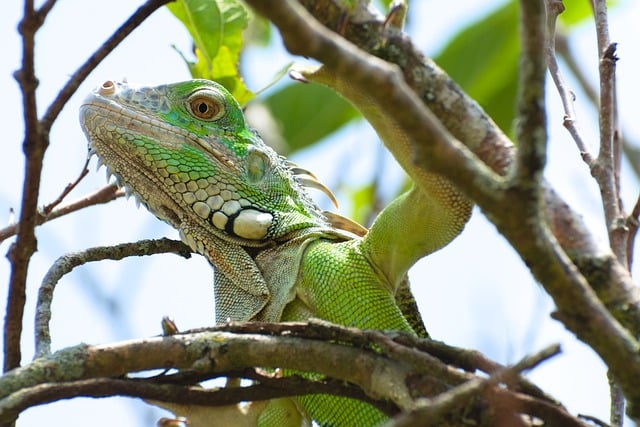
x=186 y=152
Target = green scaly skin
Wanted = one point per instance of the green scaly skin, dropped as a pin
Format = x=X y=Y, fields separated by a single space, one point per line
x=187 y=154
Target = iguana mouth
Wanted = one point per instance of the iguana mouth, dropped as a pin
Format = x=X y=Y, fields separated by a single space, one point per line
x=135 y=178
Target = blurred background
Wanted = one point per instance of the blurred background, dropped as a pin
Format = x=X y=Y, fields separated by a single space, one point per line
x=475 y=293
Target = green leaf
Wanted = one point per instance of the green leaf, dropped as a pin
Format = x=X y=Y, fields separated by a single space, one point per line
x=576 y=11
x=216 y=27
x=307 y=113
x=483 y=59
x=203 y=20
x=363 y=200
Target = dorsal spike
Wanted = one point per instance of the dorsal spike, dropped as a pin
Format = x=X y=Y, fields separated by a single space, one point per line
x=343 y=223
x=297 y=170
x=311 y=182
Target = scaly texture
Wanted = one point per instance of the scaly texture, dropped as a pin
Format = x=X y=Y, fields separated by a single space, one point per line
x=185 y=151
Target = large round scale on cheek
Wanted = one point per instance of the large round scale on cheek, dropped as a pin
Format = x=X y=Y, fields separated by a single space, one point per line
x=252 y=224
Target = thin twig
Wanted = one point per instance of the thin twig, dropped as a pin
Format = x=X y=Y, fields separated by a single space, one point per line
x=566 y=53
x=67 y=263
x=431 y=411
x=629 y=149
x=44 y=10
x=570 y=122
x=103 y=195
x=633 y=222
x=49 y=207
x=142 y=13
x=607 y=170
x=563 y=49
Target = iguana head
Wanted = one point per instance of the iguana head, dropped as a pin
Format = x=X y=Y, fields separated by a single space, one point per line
x=185 y=151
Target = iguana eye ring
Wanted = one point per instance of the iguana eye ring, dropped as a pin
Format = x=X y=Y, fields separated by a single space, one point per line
x=205 y=107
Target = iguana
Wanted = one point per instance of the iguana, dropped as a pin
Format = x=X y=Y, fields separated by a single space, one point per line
x=185 y=151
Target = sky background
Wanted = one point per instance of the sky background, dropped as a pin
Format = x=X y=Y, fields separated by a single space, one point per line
x=476 y=293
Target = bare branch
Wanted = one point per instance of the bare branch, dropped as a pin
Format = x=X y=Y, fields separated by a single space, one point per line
x=46 y=7
x=67 y=263
x=607 y=168
x=431 y=412
x=103 y=195
x=108 y=46
x=570 y=121
x=34 y=146
x=566 y=53
x=200 y=355
x=531 y=131
x=48 y=208
x=579 y=307
x=151 y=389
x=630 y=151
x=633 y=222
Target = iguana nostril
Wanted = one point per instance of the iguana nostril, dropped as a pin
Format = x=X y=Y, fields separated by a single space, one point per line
x=107 y=88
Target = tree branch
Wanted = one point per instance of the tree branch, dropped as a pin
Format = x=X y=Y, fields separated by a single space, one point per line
x=213 y=352
x=570 y=121
x=379 y=378
x=432 y=412
x=67 y=263
x=103 y=195
x=142 y=13
x=464 y=119
x=34 y=146
x=579 y=307
x=531 y=128
x=149 y=389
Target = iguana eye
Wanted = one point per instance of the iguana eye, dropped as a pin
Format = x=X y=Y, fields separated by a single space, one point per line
x=206 y=107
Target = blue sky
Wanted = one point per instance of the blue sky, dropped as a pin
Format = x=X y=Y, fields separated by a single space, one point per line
x=476 y=293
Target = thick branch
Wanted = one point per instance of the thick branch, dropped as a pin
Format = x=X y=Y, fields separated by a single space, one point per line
x=381 y=376
x=34 y=146
x=216 y=353
x=579 y=308
x=465 y=120
x=531 y=132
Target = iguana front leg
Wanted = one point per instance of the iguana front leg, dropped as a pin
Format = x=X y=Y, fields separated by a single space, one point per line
x=424 y=219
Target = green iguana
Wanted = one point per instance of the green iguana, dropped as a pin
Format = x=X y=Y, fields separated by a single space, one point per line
x=186 y=152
